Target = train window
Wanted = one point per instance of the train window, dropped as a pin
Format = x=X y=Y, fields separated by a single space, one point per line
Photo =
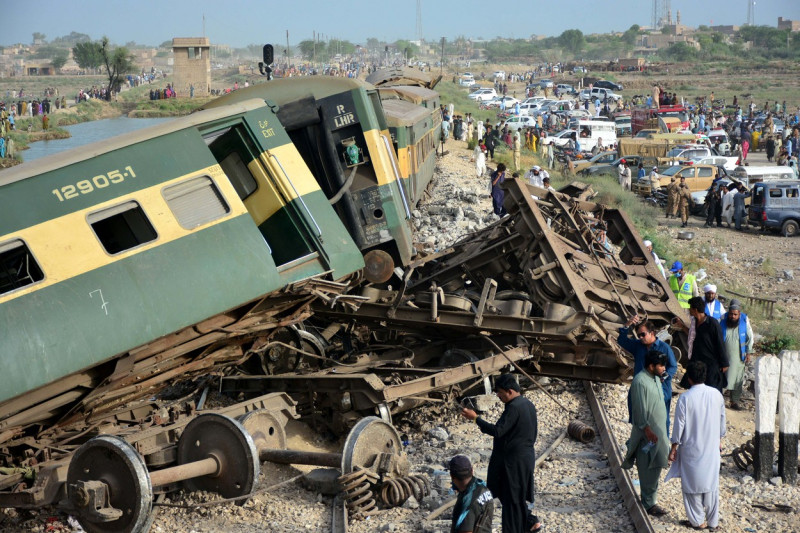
x=18 y=267
x=122 y=227
x=232 y=163
x=195 y=202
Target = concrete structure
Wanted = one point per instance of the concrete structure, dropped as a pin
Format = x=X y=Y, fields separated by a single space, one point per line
x=768 y=375
x=192 y=65
x=660 y=40
x=789 y=409
x=786 y=24
x=635 y=62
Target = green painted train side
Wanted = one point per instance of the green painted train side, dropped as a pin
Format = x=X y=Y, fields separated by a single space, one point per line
x=90 y=307
x=87 y=320
x=376 y=209
x=415 y=124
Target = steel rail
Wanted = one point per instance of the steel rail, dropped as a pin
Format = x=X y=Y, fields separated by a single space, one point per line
x=639 y=517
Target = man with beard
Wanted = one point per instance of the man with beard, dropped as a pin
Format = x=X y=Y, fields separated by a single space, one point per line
x=738 y=335
x=510 y=473
x=714 y=307
x=706 y=345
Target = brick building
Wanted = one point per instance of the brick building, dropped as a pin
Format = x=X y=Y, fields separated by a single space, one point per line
x=192 y=65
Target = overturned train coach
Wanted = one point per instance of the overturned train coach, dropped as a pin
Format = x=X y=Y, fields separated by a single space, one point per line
x=339 y=127
x=136 y=263
x=182 y=252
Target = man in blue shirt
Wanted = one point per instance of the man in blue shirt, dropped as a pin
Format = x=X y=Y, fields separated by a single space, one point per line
x=645 y=341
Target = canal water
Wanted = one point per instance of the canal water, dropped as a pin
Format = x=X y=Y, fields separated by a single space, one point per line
x=86 y=133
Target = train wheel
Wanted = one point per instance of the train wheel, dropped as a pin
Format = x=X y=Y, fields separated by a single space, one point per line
x=456 y=357
x=265 y=429
x=225 y=439
x=116 y=464
x=280 y=358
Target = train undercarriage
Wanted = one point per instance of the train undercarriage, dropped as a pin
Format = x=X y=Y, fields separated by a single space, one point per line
x=538 y=290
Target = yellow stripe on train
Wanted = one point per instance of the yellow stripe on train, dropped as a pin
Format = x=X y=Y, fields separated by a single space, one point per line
x=78 y=250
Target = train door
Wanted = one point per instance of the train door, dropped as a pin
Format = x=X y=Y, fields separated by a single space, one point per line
x=290 y=231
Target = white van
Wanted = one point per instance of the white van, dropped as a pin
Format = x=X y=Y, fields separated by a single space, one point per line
x=589 y=131
x=752 y=175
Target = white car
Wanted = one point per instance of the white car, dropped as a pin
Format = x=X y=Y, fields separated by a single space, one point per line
x=534 y=99
x=499 y=75
x=507 y=102
x=599 y=92
x=520 y=122
x=562 y=138
x=729 y=163
x=466 y=81
x=483 y=95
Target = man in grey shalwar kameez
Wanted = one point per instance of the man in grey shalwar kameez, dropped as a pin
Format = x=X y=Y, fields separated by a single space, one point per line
x=648 y=444
x=695 y=455
x=738 y=335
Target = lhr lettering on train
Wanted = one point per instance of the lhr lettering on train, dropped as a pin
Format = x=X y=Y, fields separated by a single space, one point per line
x=343 y=118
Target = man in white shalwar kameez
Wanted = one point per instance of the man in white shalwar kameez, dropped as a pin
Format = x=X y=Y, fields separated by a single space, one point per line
x=699 y=425
x=727 y=205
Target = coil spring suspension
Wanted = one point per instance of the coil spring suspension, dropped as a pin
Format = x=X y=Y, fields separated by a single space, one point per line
x=394 y=492
x=357 y=487
x=743 y=455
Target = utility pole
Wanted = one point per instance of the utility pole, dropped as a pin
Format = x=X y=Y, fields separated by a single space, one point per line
x=287 y=50
x=441 y=62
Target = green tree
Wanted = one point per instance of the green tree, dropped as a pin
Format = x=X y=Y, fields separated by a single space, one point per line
x=59 y=59
x=308 y=49
x=681 y=52
x=572 y=41
x=373 y=44
x=88 y=55
x=39 y=37
x=71 y=39
x=45 y=52
x=407 y=48
x=631 y=34
x=117 y=61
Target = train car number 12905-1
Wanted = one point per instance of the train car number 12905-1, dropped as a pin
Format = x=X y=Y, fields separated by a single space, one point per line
x=67 y=192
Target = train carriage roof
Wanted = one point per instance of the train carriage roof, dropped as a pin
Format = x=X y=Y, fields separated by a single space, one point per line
x=89 y=151
x=412 y=93
x=402 y=76
x=284 y=90
x=402 y=113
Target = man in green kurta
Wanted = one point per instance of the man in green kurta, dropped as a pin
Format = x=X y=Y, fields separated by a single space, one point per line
x=648 y=445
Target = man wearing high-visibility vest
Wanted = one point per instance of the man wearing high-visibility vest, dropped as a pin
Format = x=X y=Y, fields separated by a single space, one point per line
x=682 y=284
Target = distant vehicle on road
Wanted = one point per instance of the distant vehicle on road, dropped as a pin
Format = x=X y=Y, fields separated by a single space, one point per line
x=605 y=84
x=483 y=95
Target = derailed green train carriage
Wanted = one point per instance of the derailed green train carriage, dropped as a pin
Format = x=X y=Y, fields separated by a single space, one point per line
x=339 y=127
x=121 y=264
x=415 y=123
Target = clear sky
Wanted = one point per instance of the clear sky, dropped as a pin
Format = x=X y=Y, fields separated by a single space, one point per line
x=242 y=22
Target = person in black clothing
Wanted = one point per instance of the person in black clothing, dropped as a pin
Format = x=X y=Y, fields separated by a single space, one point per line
x=708 y=345
x=713 y=206
x=490 y=140
x=510 y=474
x=475 y=504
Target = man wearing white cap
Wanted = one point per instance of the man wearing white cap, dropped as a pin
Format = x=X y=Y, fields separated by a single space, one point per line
x=713 y=306
x=648 y=245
